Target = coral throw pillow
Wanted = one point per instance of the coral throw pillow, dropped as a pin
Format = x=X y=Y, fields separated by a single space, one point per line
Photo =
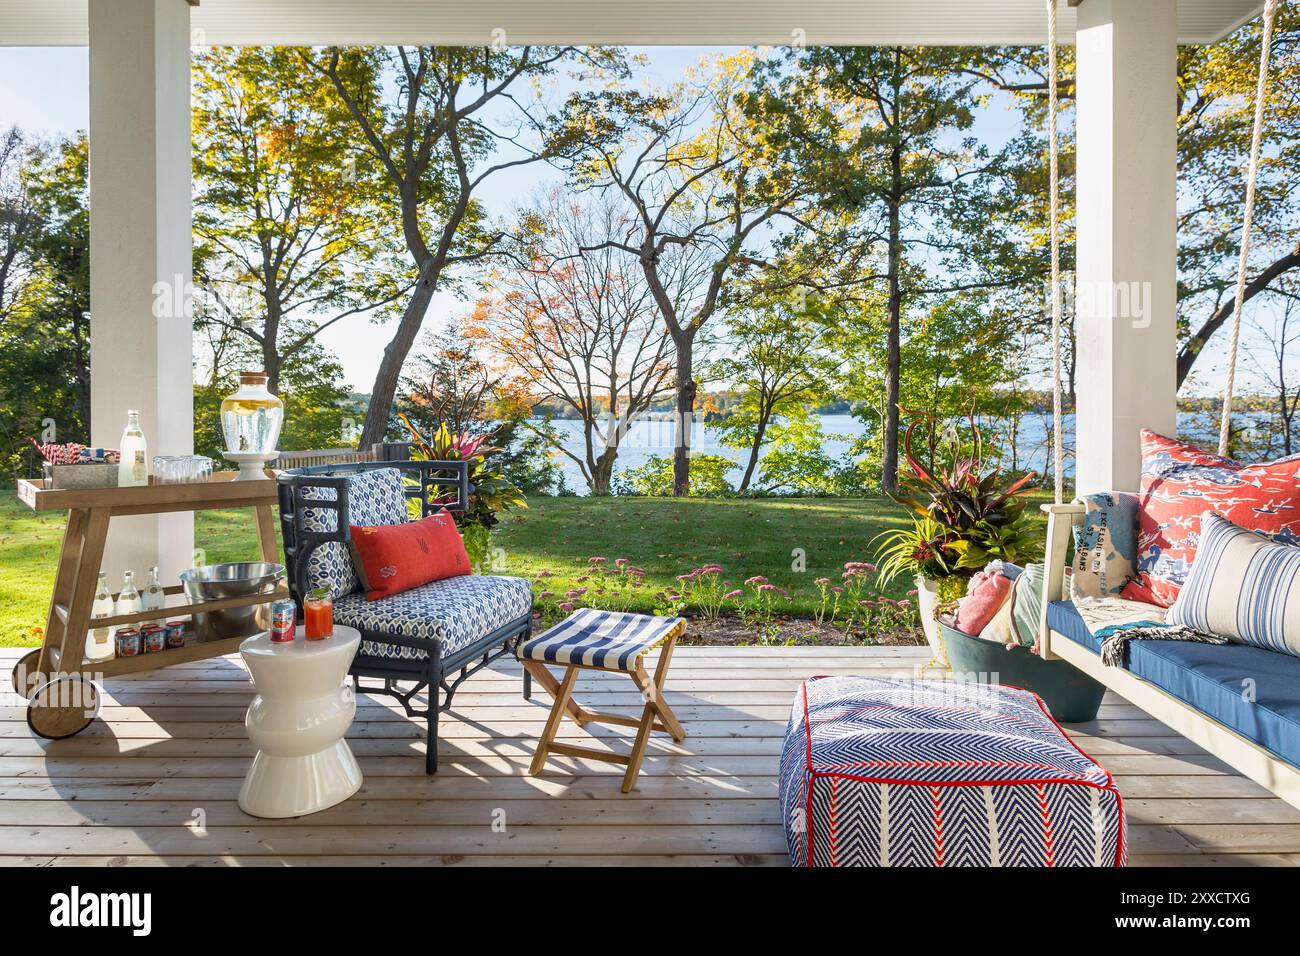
x=1179 y=483
x=393 y=558
x=985 y=595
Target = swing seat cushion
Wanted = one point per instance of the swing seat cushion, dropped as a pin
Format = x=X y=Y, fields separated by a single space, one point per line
x=883 y=772
x=1254 y=691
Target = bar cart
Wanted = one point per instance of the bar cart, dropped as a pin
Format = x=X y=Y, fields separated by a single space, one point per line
x=55 y=678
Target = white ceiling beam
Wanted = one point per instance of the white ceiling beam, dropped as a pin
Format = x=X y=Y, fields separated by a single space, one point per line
x=668 y=22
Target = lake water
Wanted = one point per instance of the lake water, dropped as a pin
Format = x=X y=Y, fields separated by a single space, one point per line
x=655 y=436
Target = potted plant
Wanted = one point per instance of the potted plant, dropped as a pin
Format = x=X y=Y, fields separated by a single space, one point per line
x=964 y=514
x=490 y=491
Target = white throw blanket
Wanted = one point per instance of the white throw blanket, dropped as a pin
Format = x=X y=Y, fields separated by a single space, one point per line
x=1115 y=622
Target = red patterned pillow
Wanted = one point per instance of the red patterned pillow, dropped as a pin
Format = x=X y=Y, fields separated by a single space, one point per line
x=1179 y=482
x=394 y=558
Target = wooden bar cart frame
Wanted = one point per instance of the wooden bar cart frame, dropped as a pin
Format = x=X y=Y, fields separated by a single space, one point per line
x=55 y=678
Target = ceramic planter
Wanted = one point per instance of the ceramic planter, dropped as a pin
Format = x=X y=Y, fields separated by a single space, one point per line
x=927 y=601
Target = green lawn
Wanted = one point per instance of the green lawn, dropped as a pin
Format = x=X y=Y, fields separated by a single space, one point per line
x=29 y=548
x=664 y=536
x=667 y=537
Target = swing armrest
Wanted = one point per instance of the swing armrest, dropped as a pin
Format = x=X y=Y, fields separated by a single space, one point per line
x=1061 y=520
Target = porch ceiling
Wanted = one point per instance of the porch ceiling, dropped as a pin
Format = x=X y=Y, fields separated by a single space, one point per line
x=859 y=22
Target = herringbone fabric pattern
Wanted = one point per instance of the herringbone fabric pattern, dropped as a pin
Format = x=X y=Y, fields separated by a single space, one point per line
x=879 y=772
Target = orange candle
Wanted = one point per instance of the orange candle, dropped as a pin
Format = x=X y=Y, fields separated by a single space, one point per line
x=318 y=614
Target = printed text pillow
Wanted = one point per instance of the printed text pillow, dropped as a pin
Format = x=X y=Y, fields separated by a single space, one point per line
x=1179 y=483
x=390 y=559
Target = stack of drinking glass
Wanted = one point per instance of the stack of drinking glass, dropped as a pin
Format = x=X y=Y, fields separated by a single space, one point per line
x=179 y=469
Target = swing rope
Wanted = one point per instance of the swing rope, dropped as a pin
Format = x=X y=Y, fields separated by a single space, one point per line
x=1271 y=9
x=1058 y=449
x=1261 y=94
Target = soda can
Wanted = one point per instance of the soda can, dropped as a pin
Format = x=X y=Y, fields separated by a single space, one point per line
x=283 y=621
x=153 y=638
x=175 y=633
x=127 y=640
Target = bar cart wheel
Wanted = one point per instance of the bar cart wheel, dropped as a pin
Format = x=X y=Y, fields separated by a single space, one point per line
x=63 y=707
x=25 y=677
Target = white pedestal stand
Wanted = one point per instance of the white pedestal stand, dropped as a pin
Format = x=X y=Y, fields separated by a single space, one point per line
x=297 y=720
x=252 y=464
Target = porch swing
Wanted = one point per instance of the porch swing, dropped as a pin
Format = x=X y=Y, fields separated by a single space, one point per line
x=1237 y=699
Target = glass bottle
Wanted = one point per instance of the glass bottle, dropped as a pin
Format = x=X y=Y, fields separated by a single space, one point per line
x=252 y=416
x=99 y=642
x=152 y=600
x=133 y=469
x=128 y=599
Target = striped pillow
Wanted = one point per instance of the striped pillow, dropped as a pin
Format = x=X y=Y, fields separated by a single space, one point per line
x=1242 y=586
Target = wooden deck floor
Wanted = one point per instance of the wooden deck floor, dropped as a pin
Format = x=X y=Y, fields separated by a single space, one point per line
x=172 y=742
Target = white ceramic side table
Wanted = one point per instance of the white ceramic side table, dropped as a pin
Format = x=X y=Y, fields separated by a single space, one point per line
x=297 y=720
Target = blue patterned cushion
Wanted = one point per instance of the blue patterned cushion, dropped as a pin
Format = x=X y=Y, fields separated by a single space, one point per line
x=375 y=497
x=455 y=612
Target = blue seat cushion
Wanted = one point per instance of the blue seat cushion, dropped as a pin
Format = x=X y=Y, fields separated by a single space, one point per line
x=452 y=613
x=1254 y=691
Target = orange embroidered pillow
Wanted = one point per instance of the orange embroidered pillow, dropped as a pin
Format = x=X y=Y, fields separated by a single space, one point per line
x=393 y=558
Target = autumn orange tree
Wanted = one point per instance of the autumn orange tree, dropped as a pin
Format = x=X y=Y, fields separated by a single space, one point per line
x=572 y=318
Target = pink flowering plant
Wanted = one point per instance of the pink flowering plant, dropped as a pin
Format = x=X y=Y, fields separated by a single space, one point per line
x=706 y=591
x=761 y=596
x=616 y=585
x=849 y=601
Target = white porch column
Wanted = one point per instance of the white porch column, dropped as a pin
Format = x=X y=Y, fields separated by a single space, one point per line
x=140 y=253
x=1125 y=284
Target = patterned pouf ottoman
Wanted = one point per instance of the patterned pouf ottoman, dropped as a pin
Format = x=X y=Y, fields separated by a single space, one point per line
x=879 y=772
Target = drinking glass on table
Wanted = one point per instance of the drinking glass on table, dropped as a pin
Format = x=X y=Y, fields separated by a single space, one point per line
x=318 y=615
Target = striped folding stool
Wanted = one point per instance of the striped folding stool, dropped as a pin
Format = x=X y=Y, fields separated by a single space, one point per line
x=611 y=641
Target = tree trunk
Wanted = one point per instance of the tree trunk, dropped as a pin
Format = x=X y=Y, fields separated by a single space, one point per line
x=685 y=414
x=754 y=450
x=603 y=472
x=390 y=368
x=893 y=361
x=272 y=365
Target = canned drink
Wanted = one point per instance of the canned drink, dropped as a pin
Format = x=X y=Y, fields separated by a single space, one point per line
x=175 y=633
x=153 y=638
x=283 y=621
x=127 y=640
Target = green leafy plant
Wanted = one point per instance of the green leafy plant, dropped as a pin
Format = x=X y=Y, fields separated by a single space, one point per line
x=490 y=491
x=966 y=513
x=927 y=548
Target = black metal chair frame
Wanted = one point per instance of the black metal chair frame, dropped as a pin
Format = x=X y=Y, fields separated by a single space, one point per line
x=426 y=482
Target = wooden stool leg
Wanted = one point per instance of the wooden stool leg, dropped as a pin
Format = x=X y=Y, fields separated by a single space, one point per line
x=553 y=721
x=542 y=674
x=666 y=715
x=638 y=748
